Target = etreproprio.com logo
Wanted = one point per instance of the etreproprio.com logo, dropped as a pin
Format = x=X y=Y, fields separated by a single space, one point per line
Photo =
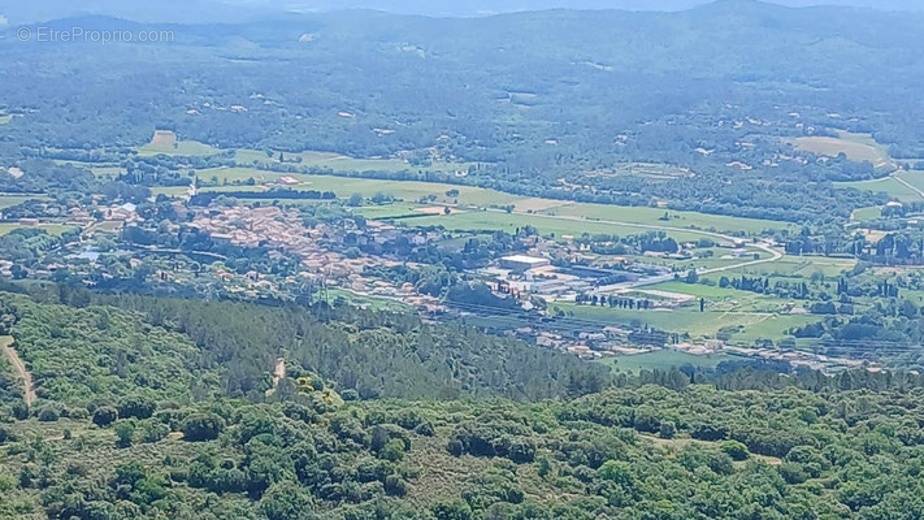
x=44 y=34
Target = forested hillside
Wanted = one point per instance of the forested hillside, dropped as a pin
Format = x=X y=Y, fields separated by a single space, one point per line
x=139 y=416
x=186 y=350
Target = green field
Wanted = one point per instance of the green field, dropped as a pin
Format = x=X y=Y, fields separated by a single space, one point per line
x=913 y=177
x=711 y=292
x=857 y=147
x=369 y=302
x=689 y=320
x=247 y=158
x=51 y=229
x=337 y=162
x=794 y=267
x=862 y=214
x=679 y=219
x=890 y=186
x=193 y=148
x=346 y=186
x=10 y=200
x=510 y=222
x=701 y=262
x=108 y=171
x=664 y=360
x=549 y=216
x=388 y=211
x=5 y=119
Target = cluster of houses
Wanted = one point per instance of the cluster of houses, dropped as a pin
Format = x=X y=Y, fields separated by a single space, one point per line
x=320 y=248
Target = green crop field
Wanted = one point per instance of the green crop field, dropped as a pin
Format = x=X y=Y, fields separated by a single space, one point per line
x=509 y=222
x=337 y=162
x=705 y=291
x=370 y=302
x=857 y=147
x=5 y=119
x=10 y=200
x=386 y=211
x=247 y=158
x=888 y=185
x=913 y=177
x=794 y=267
x=193 y=148
x=689 y=320
x=706 y=262
x=870 y=213
x=51 y=229
x=549 y=216
x=679 y=219
x=346 y=186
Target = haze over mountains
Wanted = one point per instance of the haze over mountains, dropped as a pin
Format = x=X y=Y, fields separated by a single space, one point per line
x=198 y=11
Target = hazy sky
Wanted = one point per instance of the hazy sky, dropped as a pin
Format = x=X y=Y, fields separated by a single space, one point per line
x=474 y=7
x=198 y=11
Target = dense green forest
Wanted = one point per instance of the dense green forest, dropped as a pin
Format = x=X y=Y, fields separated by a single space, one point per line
x=177 y=347
x=150 y=408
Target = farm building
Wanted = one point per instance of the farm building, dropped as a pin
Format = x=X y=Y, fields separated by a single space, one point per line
x=522 y=263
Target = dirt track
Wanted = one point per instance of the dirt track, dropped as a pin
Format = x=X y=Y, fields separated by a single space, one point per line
x=6 y=344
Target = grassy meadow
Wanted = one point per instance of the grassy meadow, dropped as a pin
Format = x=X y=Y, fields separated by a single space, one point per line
x=190 y=148
x=679 y=219
x=857 y=147
x=51 y=229
x=8 y=200
x=549 y=216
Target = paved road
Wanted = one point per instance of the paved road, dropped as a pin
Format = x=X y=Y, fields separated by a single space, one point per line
x=775 y=254
x=6 y=344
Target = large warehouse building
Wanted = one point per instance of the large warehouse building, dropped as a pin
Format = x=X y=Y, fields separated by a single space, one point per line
x=523 y=263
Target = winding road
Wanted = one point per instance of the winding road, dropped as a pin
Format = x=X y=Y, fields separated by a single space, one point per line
x=775 y=254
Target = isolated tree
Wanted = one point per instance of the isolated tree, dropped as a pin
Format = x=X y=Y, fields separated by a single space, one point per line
x=104 y=416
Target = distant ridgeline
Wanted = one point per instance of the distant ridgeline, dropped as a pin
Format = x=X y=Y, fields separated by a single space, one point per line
x=533 y=98
x=150 y=407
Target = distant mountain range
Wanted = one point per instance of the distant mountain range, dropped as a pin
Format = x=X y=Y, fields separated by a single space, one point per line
x=224 y=11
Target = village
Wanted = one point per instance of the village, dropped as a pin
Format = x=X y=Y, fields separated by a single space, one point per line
x=343 y=256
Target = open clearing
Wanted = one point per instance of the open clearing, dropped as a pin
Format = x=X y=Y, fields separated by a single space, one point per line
x=408 y=191
x=870 y=213
x=889 y=185
x=548 y=215
x=10 y=200
x=510 y=222
x=699 y=325
x=795 y=266
x=679 y=219
x=913 y=179
x=191 y=148
x=679 y=443
x=857 y=147
x=164 y=146
x=338 y=162
x=167 y=143
x=51 y=229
